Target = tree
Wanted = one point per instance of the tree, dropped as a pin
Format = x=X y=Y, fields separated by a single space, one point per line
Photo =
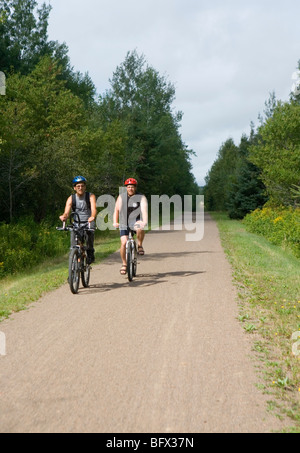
x=277 y=152
x=221 y=176
x=142 y=100
x=24 y=41
x=247 y=192
x=41 y=126
x=23 y=36
x=270 y=106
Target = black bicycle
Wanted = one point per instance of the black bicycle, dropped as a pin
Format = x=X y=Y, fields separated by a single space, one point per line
x=78 y=265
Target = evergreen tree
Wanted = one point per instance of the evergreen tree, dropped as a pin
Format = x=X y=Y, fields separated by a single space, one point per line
x=221 y=176
x=247 y=192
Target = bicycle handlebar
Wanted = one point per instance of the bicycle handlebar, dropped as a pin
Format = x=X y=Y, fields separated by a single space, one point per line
x=133 y=226
x=63 y=228
x=72 y=227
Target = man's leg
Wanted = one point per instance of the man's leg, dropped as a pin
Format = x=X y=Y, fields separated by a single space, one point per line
x=123 y=254
x=123 y=249
x=90 y=247
x=140 y=234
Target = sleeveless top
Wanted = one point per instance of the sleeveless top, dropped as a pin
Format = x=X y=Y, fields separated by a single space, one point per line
x=131 y=209
x=82 y=209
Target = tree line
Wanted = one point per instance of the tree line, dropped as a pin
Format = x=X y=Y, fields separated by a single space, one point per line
x=54 y=126
x=264 y=169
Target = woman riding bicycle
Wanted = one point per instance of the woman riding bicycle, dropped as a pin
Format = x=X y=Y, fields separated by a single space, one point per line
x=131 y=207
x=84 y=204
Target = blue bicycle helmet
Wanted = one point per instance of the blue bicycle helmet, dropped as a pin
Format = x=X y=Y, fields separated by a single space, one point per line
x=78 y=179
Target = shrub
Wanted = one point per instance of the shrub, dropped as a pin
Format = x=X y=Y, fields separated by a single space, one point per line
x=27 y=243
x=281 y=226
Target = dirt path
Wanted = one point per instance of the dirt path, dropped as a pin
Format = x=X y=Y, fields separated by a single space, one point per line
x=164 y=354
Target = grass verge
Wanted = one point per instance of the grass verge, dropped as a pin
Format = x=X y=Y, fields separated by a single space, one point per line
x=268 y=282
x=18 y=291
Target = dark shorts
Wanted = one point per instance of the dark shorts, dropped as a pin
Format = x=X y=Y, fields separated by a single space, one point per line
x=125 y=232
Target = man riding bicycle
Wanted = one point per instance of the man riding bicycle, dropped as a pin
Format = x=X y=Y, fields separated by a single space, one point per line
x=84 y=204
x=131 y=207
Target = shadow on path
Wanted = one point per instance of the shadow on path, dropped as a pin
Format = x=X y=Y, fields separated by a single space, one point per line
x=141 y=280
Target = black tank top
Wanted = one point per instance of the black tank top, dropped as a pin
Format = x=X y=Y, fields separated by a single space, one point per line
x=131 y=208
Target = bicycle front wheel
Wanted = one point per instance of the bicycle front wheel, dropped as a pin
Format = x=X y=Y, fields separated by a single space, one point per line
x=134 y=260
x=74 y=270
x=129 y=261
x=85 y=272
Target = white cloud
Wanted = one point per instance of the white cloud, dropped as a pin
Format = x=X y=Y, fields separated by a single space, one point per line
x=224 y=57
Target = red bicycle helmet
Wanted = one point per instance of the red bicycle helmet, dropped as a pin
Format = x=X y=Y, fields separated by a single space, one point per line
x=131 y=181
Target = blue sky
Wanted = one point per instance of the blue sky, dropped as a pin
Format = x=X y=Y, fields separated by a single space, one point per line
x=223 y=57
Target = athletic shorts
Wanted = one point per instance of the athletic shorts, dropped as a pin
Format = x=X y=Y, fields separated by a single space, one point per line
x=125 y=232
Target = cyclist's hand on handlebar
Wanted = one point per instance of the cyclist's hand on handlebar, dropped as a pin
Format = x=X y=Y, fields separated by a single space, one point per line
x=63 y=217
x=140 y=225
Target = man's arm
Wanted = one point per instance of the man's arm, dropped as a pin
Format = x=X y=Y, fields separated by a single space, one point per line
x=93 y=208
x=144 y=210
x=117 y=212
x=68 y=207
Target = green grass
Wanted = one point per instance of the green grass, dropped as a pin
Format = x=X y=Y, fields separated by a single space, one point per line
x=268 y=282
x=18 y=291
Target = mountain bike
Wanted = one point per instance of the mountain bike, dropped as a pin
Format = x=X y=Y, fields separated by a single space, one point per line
x=78 y=265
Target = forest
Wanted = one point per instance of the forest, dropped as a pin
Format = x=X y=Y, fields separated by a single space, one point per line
x=264 y=168
x=258 y=180
x=54 y=125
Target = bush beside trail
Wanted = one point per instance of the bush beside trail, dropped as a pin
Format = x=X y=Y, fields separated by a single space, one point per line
x=27 y=244
x=281 y=226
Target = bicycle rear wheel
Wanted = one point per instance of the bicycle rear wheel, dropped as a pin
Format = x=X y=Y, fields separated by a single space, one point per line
x=74 y=270
x=85 y=272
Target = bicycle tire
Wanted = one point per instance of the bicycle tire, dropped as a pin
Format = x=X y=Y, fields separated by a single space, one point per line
x=74 y=271
x=129 y=263
x=85 y=272
x=134 y=260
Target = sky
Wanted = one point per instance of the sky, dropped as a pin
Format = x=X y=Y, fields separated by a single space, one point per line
x=224 y=57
